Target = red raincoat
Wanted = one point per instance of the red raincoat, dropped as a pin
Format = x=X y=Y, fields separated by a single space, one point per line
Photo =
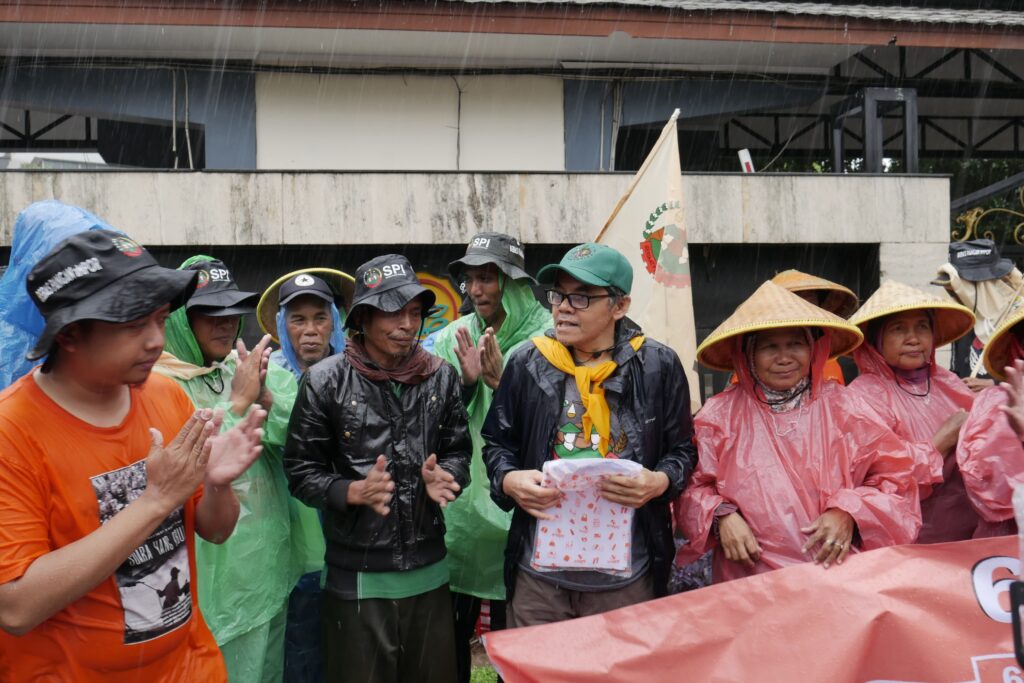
x=991 y=457
x=783 y=470
x=946 y=513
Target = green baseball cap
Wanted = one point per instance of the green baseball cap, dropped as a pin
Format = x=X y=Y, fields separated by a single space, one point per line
x=592 y=264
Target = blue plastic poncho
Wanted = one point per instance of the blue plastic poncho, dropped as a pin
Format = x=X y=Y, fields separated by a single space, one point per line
x=285 y=356
x=37 y=230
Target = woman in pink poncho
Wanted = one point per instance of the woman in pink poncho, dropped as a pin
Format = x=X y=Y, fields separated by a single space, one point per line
x=990 y=454
x=791 y=468
x=923 y=403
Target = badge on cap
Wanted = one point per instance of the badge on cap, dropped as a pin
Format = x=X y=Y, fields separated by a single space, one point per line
x=127 y=246
x=304 y=280
x=372 y=277
x=203 y=279
x=580 y=253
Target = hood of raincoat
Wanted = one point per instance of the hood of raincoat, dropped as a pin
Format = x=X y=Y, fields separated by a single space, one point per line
x=870 y=361
x=336 y=342
x=181 y=342
x=525 y=317
x=819 y=356
x=37 y=230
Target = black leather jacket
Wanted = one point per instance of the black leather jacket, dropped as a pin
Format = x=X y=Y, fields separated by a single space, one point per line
x=340 y=423
x=653 y=399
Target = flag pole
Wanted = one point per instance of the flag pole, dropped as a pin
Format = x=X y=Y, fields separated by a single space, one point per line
x=636 y=178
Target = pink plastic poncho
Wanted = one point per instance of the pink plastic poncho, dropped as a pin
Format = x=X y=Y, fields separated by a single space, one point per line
x=946 y=513
x=991 y=457
x=783 y=470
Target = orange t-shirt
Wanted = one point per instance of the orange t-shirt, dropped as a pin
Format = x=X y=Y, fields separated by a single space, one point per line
x=60 y=478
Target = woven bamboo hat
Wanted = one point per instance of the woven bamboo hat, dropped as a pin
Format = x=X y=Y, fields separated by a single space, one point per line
x=952 y=320
x=997 y=352
x=769 y=308
x=341 y=284
x=834 y=297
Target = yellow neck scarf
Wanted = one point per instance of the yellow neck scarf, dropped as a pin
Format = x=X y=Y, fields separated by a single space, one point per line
x=588 y=381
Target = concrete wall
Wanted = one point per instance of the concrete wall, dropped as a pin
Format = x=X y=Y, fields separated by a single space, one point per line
x=908 y=216
x=331 y=122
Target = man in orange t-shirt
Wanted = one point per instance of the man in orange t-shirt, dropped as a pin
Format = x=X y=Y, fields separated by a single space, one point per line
x=97 y=516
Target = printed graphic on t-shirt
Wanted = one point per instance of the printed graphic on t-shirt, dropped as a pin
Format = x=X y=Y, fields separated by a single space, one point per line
x=154 y=581
x=571 y=442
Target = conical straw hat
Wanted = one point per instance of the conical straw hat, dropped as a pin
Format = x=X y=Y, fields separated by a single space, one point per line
x=835 y=298
x=997 y=352
x=952 y=320
x=341 y=283
x=772 y=307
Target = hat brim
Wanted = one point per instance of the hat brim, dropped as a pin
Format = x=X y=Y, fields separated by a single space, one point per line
x=549 y=273
x=996 y=355
x=222 y=311
x=394 y=299
x=340 y=282
x=128 y=298
x=716 y=351
x=838 y=299
x=225 y=298
x=323 y=296
x=982 y=273
x=513 y=271
x=951 y=321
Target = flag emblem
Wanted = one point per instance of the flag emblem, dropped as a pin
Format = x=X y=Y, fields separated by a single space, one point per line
x=664 y=249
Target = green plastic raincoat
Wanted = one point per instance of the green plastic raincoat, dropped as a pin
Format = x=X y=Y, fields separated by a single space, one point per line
x=477 y=528
x=244 y=583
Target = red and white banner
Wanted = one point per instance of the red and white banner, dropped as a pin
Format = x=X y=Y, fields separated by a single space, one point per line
x=929 y=614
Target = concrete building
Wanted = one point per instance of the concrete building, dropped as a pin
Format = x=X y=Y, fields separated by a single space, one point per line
x=330 y=130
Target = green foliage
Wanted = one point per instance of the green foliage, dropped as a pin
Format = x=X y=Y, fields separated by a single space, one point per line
x=483 y=674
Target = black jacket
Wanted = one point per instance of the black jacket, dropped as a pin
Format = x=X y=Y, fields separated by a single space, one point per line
x=340 y=423
x=653 y=400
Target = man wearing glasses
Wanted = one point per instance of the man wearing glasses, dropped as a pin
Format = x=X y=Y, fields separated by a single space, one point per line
x=593 y=387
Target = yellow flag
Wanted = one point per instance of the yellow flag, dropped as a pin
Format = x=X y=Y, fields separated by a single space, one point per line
x=647 y=227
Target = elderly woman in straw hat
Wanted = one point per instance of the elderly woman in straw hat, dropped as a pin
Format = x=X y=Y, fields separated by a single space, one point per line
x=834 y=298
x=990 y=454
x=792 y=468
x=923 y=403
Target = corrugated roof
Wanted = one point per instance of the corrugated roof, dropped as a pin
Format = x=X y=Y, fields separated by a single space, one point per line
x=919 y=15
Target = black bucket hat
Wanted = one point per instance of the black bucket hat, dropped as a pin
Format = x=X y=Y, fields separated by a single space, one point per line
x=504 y=251
x=388 y=283
x=101 y=275
x=978 y=260
x=216 y=293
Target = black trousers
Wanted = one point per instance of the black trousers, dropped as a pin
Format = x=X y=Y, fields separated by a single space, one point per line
x=466 y=609
x=390 y=641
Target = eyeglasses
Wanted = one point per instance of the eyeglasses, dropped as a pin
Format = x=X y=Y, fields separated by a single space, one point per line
x=577 y=301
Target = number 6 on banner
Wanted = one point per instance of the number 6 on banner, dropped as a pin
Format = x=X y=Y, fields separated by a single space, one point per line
x=988 y=589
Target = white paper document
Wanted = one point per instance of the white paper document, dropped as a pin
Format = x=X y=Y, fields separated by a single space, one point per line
x=587 y=532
